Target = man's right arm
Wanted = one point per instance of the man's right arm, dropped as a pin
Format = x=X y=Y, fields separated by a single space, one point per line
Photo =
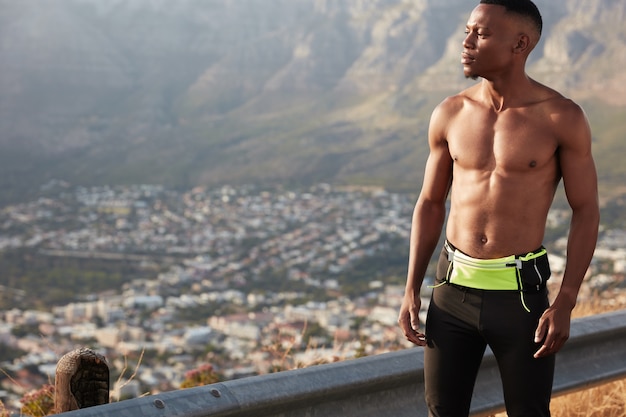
x=428 y=219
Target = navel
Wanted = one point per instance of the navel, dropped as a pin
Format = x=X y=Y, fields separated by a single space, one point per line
x=483 y=239
x=532 y=164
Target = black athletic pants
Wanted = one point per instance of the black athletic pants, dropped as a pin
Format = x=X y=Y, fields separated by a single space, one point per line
x=461 y=323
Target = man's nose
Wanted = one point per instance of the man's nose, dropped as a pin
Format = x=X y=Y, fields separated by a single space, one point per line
x=468 y=42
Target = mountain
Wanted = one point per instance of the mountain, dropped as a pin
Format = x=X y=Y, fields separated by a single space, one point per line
x=292 y=91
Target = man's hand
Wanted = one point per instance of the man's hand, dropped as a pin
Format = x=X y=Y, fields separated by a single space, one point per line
x=409 y=319
x=553 y=330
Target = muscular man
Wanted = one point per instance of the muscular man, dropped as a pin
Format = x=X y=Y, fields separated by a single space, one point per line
x=499 y=150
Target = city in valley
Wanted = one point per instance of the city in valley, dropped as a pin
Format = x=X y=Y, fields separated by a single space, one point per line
x=250 y=280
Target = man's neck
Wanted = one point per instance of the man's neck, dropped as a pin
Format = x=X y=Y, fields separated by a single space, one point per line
x=506 y=92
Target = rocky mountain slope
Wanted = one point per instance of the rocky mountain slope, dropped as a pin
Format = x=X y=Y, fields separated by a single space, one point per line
x=292 y=91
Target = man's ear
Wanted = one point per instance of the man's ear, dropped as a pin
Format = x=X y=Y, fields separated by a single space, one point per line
x=523 y=44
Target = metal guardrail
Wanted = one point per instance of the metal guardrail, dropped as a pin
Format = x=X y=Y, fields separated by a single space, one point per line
x=389 y=384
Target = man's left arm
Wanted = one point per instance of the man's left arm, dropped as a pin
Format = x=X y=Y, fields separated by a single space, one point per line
x=581 y=188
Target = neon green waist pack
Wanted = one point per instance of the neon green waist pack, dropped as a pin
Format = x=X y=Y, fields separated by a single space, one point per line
x=527 y=273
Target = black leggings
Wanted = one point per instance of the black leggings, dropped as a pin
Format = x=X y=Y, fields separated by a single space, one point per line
x=461 y=323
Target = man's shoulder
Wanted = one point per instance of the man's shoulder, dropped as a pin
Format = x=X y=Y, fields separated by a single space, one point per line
x=564 y=116
x=552 y=99
x=561 y=109
x=454 y=103
x=565 y=105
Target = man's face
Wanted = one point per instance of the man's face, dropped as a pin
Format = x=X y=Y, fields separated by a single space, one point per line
x=489 y=42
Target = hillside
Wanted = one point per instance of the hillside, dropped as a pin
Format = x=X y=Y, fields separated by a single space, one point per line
x=291 y=91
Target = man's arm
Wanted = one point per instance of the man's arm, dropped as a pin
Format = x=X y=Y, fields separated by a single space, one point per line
x=427 y=222
x=581 y=188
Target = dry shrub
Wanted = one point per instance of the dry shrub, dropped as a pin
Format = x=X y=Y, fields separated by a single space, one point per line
x=608 y=400
x=596 y=304
x=203 y=375
x=38 y=403
x=3 y=411
x=283 y=349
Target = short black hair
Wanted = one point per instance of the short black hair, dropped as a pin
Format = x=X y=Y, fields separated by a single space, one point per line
x=525 y=8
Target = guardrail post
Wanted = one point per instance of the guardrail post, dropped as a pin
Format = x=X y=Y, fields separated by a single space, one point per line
x=82 y=380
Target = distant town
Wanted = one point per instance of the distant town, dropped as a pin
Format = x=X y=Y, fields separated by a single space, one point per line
x=248 y=279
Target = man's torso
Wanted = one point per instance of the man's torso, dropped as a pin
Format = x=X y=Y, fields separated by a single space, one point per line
x=505 y=173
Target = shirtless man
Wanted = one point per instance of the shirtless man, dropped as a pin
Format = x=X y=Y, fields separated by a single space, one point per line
x=499 y=149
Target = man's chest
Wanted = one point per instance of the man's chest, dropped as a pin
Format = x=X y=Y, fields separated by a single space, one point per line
x=515 y=141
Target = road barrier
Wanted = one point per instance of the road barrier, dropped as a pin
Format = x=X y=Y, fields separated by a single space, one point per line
x=384 y=385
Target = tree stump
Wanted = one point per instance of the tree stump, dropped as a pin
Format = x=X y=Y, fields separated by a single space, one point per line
x=82 y=380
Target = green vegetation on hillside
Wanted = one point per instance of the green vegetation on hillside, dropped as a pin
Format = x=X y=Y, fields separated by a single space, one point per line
x=31 y=281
